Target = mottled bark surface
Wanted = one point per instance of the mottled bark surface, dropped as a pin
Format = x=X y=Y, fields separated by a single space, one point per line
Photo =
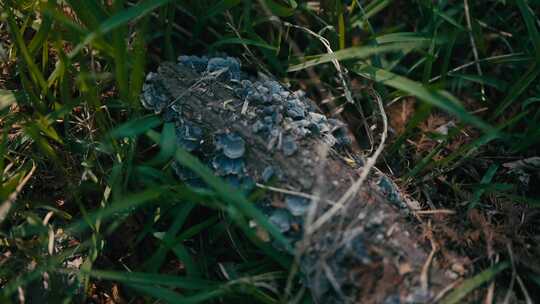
x=371 y=251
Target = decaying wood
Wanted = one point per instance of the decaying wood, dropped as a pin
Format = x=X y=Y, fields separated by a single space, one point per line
x=371 y=251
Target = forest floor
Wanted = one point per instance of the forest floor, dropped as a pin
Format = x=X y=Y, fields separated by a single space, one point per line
x=79 y=189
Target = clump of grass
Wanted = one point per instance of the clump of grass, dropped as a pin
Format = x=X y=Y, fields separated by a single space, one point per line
x=70 y=76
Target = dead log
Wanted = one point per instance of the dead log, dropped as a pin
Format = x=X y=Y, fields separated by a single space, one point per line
x=252 y=127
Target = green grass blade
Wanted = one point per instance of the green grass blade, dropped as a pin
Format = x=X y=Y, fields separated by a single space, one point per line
x=90 y=12
x=167 y=144
x=241 y=41
x=281 y=10
x=426 y=160
x=39 y=39
x=181 y=252
x=458 y=294
x=226 y=192
x=138 y=66
x=438 y=98
x=119 y=19
x=531 y=26
x=352 y=53
x=124 y=204
x=211 y=12
x=408 y=37
x=486 y=179
x=370 y=10
x=136 y=126
x=448 y=18
x=493 y=82
x=33 y=70
x=430 y=57
x=3 y=149
x=156 y=260
x=73 y=31
x=341 y=26
x=230 y=195
x=173 y=297
x=196 y=229
x=153 y=279
x=169 y=48
x=517 y=89
x=120 y=54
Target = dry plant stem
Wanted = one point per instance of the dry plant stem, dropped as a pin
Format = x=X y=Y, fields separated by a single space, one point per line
x=330 y=275
x=447 y=289
x=502 y=33
x=291 y=192
x=490 y=293
x=341 y=74
x=311 y=73
x=335 y=62
x=353 y=190
x=248 y=50
x=424 y=277
x=528 y=299
x=47 y=217
x=516 y=276
x=513 y=278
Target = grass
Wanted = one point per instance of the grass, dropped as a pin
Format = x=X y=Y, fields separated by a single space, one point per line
x=70 y=76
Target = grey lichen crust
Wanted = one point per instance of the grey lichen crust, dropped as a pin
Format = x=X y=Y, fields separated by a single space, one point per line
x=253 y=130
x=283 y=119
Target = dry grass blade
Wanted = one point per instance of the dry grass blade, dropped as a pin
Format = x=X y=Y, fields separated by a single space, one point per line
x=366 y=169
x=8 y=203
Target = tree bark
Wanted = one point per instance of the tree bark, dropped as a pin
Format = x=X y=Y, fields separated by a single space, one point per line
x=371 y=251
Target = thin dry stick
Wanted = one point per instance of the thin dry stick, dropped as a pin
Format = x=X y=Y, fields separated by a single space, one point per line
x=312 y=75
x=490 y=293
x=424 y=276
x=295 y=193
x=335 y=62
x=326 y=43
x=445 y=290
x=473 y=44
x=248 y=50
x=528 y=299
x=370 y=163
x=332 y=279
x=515 y=275
x=206 y=76
x=348 y=96
x=435 y=211
x=513 y=278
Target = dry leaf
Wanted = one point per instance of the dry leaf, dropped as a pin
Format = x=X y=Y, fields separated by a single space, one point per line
x=399 y=114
